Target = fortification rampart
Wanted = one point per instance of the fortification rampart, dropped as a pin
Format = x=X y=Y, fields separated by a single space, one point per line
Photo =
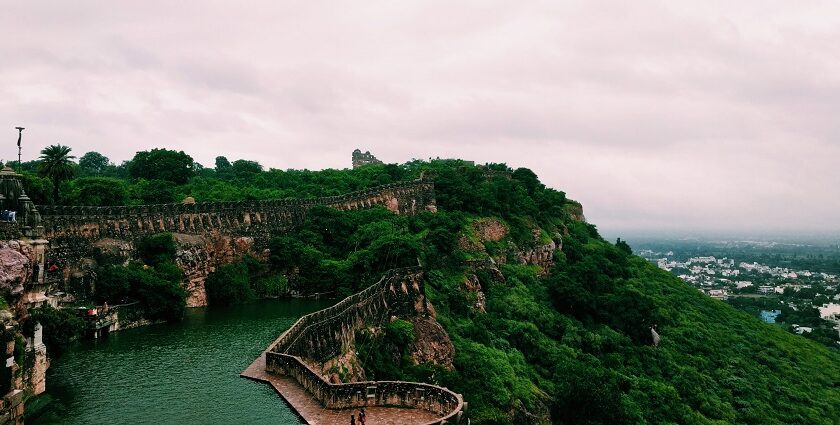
x=327 y=333
x=242 y=218
x=208 y=233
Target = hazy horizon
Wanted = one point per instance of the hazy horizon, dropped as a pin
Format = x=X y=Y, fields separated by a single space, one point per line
x=661 y=118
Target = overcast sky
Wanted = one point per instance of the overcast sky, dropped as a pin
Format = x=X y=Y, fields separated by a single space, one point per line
x=658 y=116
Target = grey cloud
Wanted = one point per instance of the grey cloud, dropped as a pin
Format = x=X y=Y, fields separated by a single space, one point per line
x=657 y=115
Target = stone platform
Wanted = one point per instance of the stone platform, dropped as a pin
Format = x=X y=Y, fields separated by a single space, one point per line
x=314 y=414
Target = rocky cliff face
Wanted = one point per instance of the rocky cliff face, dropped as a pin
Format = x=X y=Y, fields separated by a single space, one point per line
x=27 y=374
x=540 y=255
x=488 y=229
x=432 y=343
x=198 y=256
x=16 y=263
x=575 y=211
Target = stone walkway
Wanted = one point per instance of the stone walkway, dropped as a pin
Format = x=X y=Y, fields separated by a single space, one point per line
x=315 y=414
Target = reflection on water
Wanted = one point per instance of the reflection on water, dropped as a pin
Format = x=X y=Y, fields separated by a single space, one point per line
x=184 y=373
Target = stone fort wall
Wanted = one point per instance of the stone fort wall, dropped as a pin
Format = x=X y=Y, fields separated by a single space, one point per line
x=208 y=233
x=242 y=218
x=327 y=333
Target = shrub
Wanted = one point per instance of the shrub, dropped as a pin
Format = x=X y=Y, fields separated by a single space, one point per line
x=229 y=284
x=60 y=328
x=157 y=248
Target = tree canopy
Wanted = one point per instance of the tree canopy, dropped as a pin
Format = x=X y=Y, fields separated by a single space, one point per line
x=57 y=165
x=162 y=164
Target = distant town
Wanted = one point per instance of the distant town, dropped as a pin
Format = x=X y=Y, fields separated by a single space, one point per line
x=767 y=279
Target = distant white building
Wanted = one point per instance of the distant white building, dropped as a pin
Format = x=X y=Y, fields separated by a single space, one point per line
x=766 y=289
x=720 y=294
x=830 y=312
x=701 y=260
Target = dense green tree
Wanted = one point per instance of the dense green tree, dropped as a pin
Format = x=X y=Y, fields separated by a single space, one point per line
x=153 y=192
x=222 y=164
x=244 y=169
x=162 y=164
x=57 y=165
x=97 y=191
x=229 y=284
x=93 y=163
x=112 y=285
x=39 y=189
x=61 y=328
x=157 y=289
x=156 y=249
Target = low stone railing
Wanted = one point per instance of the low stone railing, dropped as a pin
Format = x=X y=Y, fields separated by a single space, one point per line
x=327 y=333
x=438 y=400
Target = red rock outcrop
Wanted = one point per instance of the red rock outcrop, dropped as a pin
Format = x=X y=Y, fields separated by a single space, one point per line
x=16 y=261
x=199 y=255
x=432 y=343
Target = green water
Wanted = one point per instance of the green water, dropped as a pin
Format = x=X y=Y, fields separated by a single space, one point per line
x=184 y=373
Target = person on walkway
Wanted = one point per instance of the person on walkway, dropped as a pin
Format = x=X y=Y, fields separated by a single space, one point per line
x=352 y=420
x=362 y=416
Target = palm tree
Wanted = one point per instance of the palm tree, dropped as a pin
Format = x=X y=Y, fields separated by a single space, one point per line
x=55 y=164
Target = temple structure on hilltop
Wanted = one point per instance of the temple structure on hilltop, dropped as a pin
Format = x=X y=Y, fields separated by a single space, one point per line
x=361 y=159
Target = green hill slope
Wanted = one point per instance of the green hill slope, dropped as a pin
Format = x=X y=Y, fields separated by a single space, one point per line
x=550 y=323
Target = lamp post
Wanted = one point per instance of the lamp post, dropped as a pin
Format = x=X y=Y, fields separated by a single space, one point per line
x=20 y=135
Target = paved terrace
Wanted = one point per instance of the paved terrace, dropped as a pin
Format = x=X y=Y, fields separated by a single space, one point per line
x=314 y=414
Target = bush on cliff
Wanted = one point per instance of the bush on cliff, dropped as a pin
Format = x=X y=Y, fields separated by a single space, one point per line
x=270 y=286
x=242 y=281
x=229 y=284
x=60 y=328
x=157 y=289
x=157 y=248
x=385 y=353
x=162 y=297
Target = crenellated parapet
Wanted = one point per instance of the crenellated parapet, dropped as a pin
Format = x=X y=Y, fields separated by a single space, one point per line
x=327 y=333
x=254 y=218
x=208 y=233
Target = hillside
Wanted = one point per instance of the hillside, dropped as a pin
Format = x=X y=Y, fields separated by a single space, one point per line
x=549 y=322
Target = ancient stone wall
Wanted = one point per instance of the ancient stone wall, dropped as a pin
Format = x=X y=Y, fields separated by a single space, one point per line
x=209 y=233
x=327 y=333
x=72 y=229
x=255 y=218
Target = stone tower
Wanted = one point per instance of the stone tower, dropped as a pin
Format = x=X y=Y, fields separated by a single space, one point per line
x=361 y=159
